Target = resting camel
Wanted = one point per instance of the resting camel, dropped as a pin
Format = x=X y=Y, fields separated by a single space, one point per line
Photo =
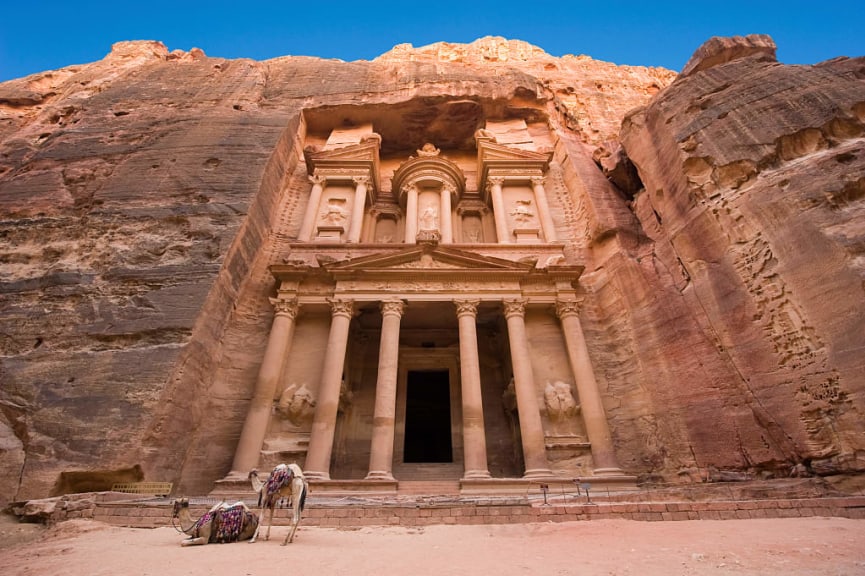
x=222 y=523
x=285 y=481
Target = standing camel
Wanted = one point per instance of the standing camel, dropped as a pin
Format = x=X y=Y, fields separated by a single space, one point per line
x=222 y=523
x=285 y=481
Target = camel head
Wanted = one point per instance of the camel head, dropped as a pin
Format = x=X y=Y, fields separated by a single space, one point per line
x=252 y=474
x=179 y=505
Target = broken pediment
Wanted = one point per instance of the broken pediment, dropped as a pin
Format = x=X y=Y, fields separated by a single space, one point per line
x=498 y=160
x=348 y=161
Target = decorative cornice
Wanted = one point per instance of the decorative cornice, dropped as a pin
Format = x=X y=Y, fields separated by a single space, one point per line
x=472 y=207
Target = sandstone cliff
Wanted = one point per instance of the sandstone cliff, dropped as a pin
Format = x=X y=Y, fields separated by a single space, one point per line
x=141 y=199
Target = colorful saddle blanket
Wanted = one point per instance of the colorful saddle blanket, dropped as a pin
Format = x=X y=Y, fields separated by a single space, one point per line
x=227 y=523
x=278 y=479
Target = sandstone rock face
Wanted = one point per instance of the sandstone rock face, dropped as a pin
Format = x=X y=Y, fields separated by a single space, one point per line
x=143 y=197
x=753 y=204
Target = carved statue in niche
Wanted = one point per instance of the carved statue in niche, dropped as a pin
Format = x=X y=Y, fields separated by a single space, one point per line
x=561 y=407
x=429 y=218
x=335 y=213
x=297 y=404
x=522 y=211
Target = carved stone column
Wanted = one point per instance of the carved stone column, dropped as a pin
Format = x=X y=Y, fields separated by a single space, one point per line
x=495 y=186
x=411 y=214
x=258 y=416
x=317 y=465
x=306 y=228
x=531 y=427
x=384 y=417
x=591 y=406
x=544 y=209
x=358 y=208
x=445 y=220
x=474 y=435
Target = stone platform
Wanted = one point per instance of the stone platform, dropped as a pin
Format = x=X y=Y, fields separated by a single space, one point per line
x=354 y=512
x=537 y=503
x=240 y=489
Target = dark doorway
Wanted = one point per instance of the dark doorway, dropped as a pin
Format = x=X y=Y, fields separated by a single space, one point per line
x=428 y=417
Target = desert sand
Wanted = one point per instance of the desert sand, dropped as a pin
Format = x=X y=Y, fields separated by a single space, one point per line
x=824 y=546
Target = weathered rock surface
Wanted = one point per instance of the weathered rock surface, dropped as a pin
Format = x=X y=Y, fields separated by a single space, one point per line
x=142 y=198
x=754 y=203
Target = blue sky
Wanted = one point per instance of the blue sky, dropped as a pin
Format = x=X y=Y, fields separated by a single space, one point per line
x=45 y=35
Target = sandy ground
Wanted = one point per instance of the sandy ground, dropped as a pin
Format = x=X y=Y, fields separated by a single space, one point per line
x=824 y=546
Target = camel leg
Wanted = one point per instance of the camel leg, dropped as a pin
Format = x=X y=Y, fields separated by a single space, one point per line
x=194 y=542
x=257 y=528
x=203 y=536
x=269 y=523
x=295 y=520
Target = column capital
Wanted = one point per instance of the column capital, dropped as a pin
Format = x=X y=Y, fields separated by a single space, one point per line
x=360 y=180
x=318 y=179
x=467 y=307
x=285 y=307
x=515 y=307
x=392 y=307
x=495 y=181
x=409 y=188
x=340 y=307
x=538 y=180
x=565 y=308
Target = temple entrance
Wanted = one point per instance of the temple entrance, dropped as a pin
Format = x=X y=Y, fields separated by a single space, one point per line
x=428 y=417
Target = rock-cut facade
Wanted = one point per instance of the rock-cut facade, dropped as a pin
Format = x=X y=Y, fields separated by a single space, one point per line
x=475 y=266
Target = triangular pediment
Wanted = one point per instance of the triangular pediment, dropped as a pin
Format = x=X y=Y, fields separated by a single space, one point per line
x=427 y=258
x=492 y=152
x=347 y=162
x=365 y=150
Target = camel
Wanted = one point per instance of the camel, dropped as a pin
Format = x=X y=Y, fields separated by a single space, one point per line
x=285 y=481
x=222 y=523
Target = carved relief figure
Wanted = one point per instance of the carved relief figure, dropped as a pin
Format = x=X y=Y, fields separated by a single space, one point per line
x=297 y=404
x=335 y=213
x=429 y=218
x=472 y=230
x=561 y=406
x=522 y=211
